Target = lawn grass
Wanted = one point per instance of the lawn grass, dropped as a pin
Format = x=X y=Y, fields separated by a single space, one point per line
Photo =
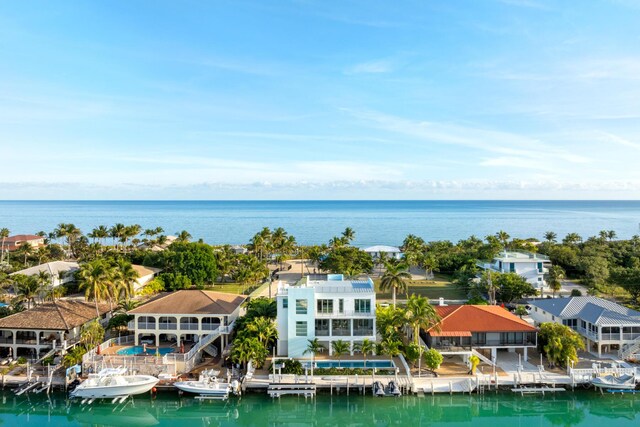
x=439 y=287
x=233 y=288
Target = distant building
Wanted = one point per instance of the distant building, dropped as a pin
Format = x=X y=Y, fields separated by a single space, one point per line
x=606 y=327
x=239 y=249
x=145 y=275
x=328 y=308
x=12 y=243
x=157 y=247
x=484 y=328
x=61 y=272
x=35 y=331
x=391 y=251
x=531 y=266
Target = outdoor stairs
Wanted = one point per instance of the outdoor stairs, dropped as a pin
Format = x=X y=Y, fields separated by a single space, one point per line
x=211 y=350
x=482 y=357
x=629 y=349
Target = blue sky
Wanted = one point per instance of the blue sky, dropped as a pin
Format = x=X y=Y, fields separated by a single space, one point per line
x=318 y=99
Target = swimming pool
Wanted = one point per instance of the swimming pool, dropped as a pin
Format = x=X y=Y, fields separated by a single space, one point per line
x=138 y=349
x=365 y=364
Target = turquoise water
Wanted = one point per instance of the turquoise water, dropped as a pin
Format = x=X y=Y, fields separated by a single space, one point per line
x=133 y=351
x=375 y=222
x=356 y=364
x=585 y=408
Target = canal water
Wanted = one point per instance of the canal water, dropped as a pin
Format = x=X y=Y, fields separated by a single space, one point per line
x=582 y=408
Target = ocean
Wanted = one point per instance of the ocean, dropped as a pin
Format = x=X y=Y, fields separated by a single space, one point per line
x=315 y=222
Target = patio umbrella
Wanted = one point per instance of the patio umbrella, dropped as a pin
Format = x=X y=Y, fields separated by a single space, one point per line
x=181 y=347
x=98 y=350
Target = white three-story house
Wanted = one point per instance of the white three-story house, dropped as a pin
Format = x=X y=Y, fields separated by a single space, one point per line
x=531 y=266
x=329 y=309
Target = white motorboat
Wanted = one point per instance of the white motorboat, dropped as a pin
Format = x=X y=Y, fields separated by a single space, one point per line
x=208 y=385
x=610 y=382
x=111 y=383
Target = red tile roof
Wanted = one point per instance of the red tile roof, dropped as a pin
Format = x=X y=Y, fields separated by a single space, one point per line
x=479 y=318
x=22 y=238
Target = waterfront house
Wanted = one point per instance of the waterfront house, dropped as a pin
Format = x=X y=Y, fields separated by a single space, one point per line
x=486 y=329
x=12 y=243
x=186 y=316
x=60 y=272
x=606 y=327
x=326 y=307
x=46 y=326
x=531 y=266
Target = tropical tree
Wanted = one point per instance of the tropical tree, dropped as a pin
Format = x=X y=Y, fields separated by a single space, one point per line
x=433 y=359
x=348 y=235
x=366 y=347
x=389 y=320
x=340 y=348
x=26 y=250
x=391 y=347
x=92 y=334
x=96 y=279
x=347 y=260
x=572 y=239
x=74 y=356
x=503 y=237
x=421 y=315
x=125 y=278
x=560 y=343
x=4 y=234
x=264 y=329
x=314 y=347
x=555 y=275
x=26 y=288
x=247 y=348
x=395 y=279
x=550 y=236
x=183 y=236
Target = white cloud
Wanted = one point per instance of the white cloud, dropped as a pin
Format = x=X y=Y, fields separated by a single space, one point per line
x=372 y=67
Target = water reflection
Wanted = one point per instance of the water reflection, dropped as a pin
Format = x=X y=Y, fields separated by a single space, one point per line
x=566 y=410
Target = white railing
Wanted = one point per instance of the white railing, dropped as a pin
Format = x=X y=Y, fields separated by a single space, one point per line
x=628 y=350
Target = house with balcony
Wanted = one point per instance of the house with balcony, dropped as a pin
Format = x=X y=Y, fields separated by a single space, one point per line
x=529 y=265
x=12 y=243
x=186 y=316
x=485 y=329
x=605 y=326
x=326 y=307
x=44 y=327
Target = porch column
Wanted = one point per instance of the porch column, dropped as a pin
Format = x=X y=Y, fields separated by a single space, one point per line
x=599 y=350
x=526 y=354
x=157 y=335
x=494 y=354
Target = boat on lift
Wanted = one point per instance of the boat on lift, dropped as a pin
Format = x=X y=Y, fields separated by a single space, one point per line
x=113 y=383
x=208 y=385
x=610 y=382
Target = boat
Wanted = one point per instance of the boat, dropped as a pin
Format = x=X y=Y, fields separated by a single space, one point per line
x=112 y=383
x=610 y=382
x=378 y=389
x=393 y=389
x=208 y=385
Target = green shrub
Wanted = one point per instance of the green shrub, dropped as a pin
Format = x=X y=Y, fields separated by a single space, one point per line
x=576 y=293
x=22 y=360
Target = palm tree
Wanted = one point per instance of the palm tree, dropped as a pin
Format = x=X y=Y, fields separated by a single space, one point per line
x=572 y=239
x=421 y=315
x=366 y=347
x=340 y=348
x=95 y=279
x=25 y=249
x=42 y=254
x=44 y=280
x=395 y=279
x=4 y=234
x=348 y=235
x=550 y=236
x=503 y=237
x=391 y=347
x=125 y=278
x=314 y=347
x=183 y=236
x=26 y=288
x=389 y=320
x=264 y=329
x=555 y=275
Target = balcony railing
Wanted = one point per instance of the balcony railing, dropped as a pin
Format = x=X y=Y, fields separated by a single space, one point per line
x=322 y=332
x=345 y=313
x=210 y=326
x=362 y=332
x=587 y=333
x=341 y=332
x=146 y=325
x=189 y=326
x=168 y=326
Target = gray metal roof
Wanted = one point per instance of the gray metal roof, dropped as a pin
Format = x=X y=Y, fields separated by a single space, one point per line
x=595 y=310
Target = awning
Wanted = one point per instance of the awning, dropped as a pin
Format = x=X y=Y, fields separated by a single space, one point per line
x=450 y=333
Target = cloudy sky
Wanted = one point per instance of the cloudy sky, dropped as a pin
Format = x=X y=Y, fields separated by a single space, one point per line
x=319 y=99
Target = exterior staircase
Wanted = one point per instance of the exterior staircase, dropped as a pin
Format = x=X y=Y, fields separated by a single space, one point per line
x=629 y=349
x=211 y=350
x=482 y=357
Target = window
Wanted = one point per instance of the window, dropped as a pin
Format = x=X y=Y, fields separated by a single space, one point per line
x=301 y=329
x=539 y=279
x=553 y=317
x=322 y=327
x=324 y=306
x=362 y=305
x=285 y=303
x=341 y=327
x=301 y=306
x=512 y=267
x=540 y=267
x=362 y=327
x=340 y=306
